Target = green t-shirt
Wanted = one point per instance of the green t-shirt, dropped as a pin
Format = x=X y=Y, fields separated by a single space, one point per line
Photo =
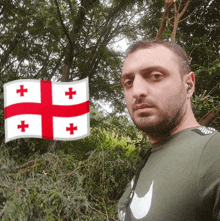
x=179 y=182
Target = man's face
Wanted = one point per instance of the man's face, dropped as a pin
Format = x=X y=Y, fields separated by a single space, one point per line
x=154 y=90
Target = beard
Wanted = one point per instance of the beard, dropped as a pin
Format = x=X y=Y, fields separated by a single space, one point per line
x=166 y=121
x=163 y=127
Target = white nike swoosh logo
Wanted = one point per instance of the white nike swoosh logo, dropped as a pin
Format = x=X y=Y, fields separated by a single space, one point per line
x=140 y=206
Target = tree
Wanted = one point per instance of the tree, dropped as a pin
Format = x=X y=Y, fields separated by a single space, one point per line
x=64 y=41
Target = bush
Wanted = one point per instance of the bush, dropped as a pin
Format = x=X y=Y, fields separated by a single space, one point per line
x=59 y=187
x=80 y=180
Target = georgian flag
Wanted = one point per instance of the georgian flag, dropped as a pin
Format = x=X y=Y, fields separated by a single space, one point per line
x=45 y=109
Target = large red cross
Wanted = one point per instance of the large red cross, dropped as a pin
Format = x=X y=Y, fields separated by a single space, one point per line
x=22 y=126
x=71 y=128
x=70 y=93
x=21 y=90
x=46 y=109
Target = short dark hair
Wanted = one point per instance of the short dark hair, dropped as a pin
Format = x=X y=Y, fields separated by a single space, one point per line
x=175 y=48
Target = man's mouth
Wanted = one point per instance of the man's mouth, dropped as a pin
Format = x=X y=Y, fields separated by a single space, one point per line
x=142 y=106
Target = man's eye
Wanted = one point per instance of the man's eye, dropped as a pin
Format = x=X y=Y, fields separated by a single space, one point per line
x=156 y=76
x=127 y=83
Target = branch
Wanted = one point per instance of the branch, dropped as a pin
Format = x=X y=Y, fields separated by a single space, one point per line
x=177 y=17
x=71 y=7
x=188 y=16
x=63 y=26
x=180 y=5
x=53 y=72
x=4 y=57
x=175 y=9
x=211 y=91
x=210 y=116
x=184 y=9
x=165 y=18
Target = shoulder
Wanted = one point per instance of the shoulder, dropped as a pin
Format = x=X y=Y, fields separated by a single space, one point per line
x=208 y=177
x=210 y=153
x=206 y=138
x=212 y=146
x=203 y=131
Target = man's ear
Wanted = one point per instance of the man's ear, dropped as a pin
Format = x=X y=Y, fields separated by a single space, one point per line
x=189 y=82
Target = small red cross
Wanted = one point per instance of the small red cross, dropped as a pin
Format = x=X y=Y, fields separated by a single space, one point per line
x=21 y=90
x=22 y=126
x=71 y=128
x=70 y=93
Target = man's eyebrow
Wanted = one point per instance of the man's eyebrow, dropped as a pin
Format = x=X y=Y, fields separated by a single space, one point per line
x=147 y=69
x=126 y=75
x=155 y=68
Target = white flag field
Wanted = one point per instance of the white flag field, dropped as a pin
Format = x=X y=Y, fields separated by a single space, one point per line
x=45 y=109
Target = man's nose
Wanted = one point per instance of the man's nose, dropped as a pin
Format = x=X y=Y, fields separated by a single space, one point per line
x=139 y=88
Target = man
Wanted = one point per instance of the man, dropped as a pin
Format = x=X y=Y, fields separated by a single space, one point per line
x=179 y=179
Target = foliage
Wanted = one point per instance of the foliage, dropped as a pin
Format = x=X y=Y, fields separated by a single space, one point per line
x=82 y=180
x=65 y=41
x=61 y=187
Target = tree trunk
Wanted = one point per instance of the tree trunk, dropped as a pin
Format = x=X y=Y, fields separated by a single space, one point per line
x=164 y=20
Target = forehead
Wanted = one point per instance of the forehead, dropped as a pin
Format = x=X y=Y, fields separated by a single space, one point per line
x=154 y=56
